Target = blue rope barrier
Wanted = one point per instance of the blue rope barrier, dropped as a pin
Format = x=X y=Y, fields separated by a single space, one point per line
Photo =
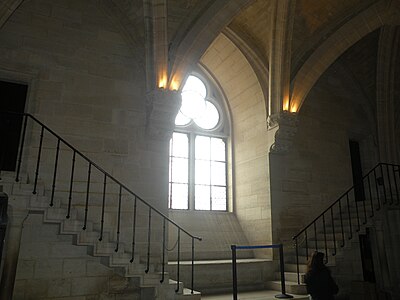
x=255 y=247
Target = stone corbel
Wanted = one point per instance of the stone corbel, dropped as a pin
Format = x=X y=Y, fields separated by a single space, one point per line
x=272 y=121
x=162 y=106
x=287 y=130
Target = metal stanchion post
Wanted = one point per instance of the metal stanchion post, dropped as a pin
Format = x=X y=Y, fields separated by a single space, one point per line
x=234 y=274
x=282 y=270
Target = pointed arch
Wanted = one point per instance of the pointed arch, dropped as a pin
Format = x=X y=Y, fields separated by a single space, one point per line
x=187 y=51
x=346 y=36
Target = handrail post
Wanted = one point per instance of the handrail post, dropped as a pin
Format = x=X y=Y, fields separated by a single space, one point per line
x=234 y=272
x=134 y=230
x=178 y=261
x=297 y=260
x=21 y=148
x=87 y=196
x=148 y=243
x=370 y=198
x=119 y=217
x=282 y=270
x=334 y=233
x=163 y=254
x=71 y=185
x=192 y=266
x=53 y=186
x=395 y=184
x=38 y=161
x=103 y=207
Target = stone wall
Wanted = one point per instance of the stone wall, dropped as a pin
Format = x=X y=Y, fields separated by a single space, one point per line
x=86 y=82
x=317 y=168
x=51 y=267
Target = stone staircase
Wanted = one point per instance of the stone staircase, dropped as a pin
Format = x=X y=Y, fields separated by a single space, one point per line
x=105 y=249
x=341 y=235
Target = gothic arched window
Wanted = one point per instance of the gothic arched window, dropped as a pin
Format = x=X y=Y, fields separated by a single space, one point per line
x=198 y=151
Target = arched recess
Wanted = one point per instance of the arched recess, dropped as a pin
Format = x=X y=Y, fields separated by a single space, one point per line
x=259 y=66
x=346 y=36
x=250 y=136
x=186 y=51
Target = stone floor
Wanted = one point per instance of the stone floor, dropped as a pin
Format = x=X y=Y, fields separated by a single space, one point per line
x=259 y=295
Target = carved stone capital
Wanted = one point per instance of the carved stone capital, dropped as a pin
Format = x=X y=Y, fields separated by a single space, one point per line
x=287 y=130
x=162 y=107
x=272 y=121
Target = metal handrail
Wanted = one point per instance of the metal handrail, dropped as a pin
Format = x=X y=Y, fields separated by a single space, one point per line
x=381 y=178
x=107 y=175
x=283 y=294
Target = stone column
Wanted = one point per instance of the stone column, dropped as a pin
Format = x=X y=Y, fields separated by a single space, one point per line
x=285 y=129
x=162 y=107
x=12 y=245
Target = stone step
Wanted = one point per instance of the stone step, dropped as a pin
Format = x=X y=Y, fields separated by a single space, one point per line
x=291 y=259
x=215 y=276
x=187 y=294
x=25 y=189
x=291 y=287
x=42 y=202
x=293 y=268
x=71 y=226
x=105 y=249
x=290 y=276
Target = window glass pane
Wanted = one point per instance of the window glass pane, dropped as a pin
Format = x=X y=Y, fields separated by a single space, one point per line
x=202 y=197
x=179 y=199
x=180 y=145
x=194 y=83
x=181 y=119
x=218 y=198
x=217 y=149
x=202 y=172
x=218 y=173
x=202 y=147
x=209 y=118
x=193 y=105
x=179 y=170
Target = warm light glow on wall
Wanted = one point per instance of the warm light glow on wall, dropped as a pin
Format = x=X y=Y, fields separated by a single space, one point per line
x=294 y=108
x=174 y=86
x=162 y=82
x=286 y=104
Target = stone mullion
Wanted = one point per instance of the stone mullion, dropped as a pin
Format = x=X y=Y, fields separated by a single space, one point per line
x=387 y=54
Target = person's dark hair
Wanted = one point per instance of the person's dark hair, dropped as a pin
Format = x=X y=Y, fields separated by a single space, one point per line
x=316 y=262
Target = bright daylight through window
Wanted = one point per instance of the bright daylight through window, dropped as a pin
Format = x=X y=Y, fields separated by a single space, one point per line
x=197 y=158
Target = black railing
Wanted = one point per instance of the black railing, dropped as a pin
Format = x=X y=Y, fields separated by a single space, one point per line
x=381 y=186
x=108 y=179
x=234 y=248
x=3 y=221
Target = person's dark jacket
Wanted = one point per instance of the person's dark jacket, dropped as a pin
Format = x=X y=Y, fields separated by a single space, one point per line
x=320 y=284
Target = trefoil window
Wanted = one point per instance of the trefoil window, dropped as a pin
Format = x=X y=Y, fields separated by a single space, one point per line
x=198 y=152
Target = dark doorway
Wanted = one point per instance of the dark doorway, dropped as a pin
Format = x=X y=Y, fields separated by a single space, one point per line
x=12 y=99
x=357 y=171
x=366 y=257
